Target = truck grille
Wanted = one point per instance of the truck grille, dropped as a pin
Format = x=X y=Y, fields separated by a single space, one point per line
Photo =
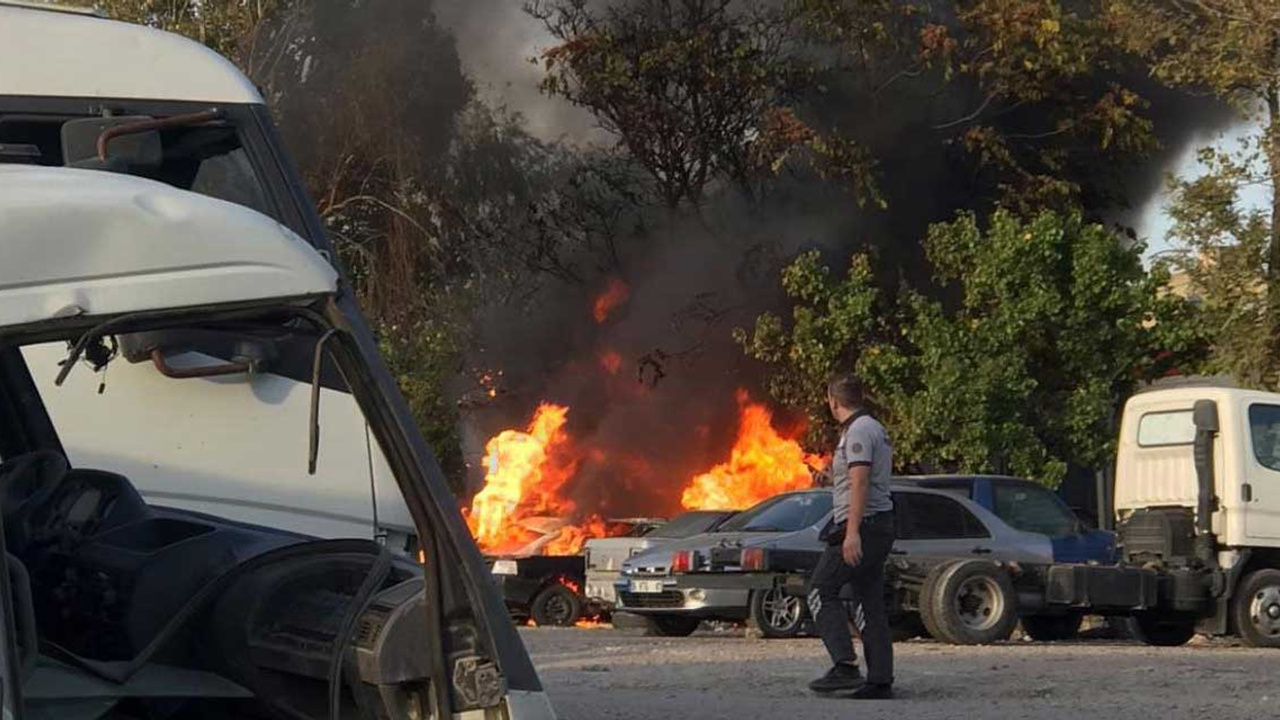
x=666 y=599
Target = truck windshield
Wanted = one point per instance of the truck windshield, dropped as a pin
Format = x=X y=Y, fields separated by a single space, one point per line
x=1033 y=509
x=210 y=159
x=786 y=513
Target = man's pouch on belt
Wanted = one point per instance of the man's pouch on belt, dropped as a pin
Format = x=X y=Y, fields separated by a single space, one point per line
x=833 y=534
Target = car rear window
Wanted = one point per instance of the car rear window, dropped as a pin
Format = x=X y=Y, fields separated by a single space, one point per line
x=786 y=513
x=922 y=516
x=1032 y=509
x=687 y=525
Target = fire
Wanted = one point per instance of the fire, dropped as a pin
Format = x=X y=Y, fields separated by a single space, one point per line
x=524 y=482
x=593 y=624
x=573 y=536
x=611 y=361
x=614 y=296
x=762 y=464
x=523 y=478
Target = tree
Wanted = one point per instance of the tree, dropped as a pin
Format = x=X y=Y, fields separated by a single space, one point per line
x=1231 y=49
x=1054 y=322
x=697 y=91
x=1033 y=90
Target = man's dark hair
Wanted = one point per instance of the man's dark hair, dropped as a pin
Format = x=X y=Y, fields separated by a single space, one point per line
x=846 y=390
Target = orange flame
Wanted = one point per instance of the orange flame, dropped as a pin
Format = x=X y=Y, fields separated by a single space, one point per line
x=762 y=464
x=525 y=478
x=614 y=296
x=611 y=361
x=593 y=624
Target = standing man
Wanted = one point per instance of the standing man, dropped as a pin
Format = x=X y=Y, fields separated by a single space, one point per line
x=858 y=545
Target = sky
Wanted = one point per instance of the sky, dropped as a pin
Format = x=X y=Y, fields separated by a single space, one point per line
x=1153 y=223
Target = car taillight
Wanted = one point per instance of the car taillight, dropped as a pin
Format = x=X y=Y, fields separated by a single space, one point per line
x=682 y=561
x=753 y=559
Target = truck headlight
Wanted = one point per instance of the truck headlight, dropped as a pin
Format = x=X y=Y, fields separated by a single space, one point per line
x=504 y=567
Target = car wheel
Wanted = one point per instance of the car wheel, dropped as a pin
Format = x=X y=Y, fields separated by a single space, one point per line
x=1256 y=609
x=969 y=602
x=674 y=625
x=1163 y=630
x=777 y=614
x=556 y=606
x=1051 y=628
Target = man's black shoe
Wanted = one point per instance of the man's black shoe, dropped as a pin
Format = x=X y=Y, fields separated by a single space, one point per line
x=842 y=676
x=873 y=691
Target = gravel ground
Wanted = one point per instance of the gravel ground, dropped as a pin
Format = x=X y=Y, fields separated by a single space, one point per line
x=607 y=674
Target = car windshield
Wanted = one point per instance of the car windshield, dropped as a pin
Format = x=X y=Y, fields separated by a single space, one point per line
x=785 y=513
x=687 y=525
x=1033 y=509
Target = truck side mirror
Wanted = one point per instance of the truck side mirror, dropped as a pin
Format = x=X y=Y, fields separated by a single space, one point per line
x=1205 y=416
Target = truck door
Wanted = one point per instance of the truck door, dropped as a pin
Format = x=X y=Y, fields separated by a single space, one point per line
x=1260 y=493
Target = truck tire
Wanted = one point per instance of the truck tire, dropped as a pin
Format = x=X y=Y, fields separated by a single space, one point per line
x=776 y=614
x=674 y=625
x=556 y=606
x=1255 y=609
x=1163 y=630
x=969 y=602
x=907 y=627
x=1052 y=628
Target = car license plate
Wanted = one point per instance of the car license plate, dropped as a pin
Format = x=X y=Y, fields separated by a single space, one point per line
x=646 y=586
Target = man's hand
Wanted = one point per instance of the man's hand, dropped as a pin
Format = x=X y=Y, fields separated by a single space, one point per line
x=852 y=548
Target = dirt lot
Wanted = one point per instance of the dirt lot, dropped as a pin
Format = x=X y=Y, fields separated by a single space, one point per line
x=605 y=674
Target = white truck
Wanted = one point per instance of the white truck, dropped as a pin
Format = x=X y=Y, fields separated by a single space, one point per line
x=214 y=500
x=1196 y=503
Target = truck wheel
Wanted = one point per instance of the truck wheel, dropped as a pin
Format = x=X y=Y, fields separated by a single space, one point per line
x=907 y=627
x=556 y=606
x=777 y=614
x=1051 y=628
x=969 y=602
x=1256 y=609
x=674 y=625
x=1163 y=630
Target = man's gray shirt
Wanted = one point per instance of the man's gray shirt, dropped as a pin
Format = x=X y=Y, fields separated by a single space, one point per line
x=863 y=442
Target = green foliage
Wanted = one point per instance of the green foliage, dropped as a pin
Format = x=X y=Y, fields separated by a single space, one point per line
x=1224 y=253
x=1052 y=323
x=1227 y=48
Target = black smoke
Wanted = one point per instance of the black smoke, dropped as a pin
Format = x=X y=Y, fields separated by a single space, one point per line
x=670 y=410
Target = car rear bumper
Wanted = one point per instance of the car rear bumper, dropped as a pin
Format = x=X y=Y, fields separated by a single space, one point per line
x=728 y=603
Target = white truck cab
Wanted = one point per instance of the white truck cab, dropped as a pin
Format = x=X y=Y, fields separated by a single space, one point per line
x=208 y=478
x=1197 y=505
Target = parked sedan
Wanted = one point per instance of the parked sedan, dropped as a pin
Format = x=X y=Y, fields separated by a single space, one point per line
x=941 y=521
x=604 y=556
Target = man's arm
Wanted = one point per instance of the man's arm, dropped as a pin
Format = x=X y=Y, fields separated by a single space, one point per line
x=859 y=481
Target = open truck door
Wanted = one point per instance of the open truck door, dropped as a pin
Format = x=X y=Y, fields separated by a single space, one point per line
x=221 y=244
